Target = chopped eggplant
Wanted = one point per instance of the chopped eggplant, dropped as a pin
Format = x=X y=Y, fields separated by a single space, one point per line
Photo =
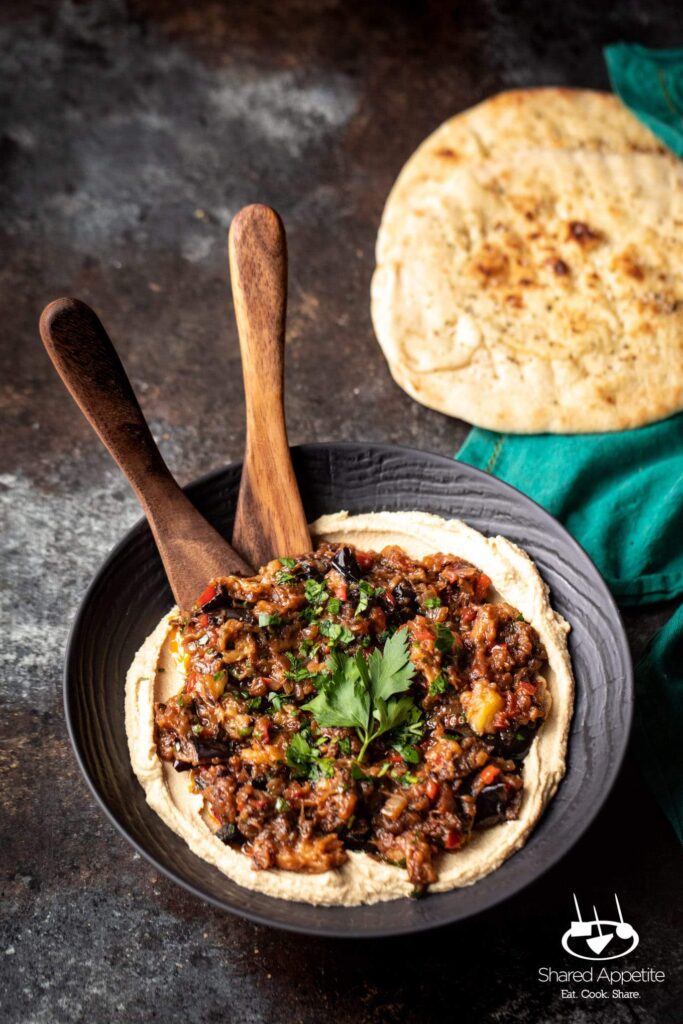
x=515 y=743
x=406 y=601
x=309 y=570
x=401 y=605
x=491 y=804
x=207 y=750
x=226 y=833
x=345 y=563
x=243 y=614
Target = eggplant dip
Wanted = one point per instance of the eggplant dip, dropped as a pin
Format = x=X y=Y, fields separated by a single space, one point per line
x=371 y=720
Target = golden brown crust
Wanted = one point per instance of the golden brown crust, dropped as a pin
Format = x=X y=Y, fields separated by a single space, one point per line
x=530 y=267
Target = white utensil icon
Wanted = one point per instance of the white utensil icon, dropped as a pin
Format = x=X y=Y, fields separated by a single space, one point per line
x=591 y=946
x=624 y=931
x=580 y=929
x=598 y=942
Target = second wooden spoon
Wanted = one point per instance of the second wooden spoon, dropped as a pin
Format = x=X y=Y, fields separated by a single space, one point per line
x=270 y=519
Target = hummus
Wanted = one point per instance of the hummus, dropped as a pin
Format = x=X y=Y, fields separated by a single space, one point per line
x=155 y=675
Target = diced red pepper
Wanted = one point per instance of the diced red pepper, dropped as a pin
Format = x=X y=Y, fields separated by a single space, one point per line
x=338 y=586
x=378 y=617
x=207 y=595
x=433 y=789
x=529 y=688
x=489 y=774
x=501 y=720
x=481 y=586
x=364 y=560
x=262 y=729
x=423 y=634
x=468 y=615
x=452 y=839
x=203 y=620
x=395 y=757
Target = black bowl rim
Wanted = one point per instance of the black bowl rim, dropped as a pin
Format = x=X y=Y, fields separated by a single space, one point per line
x=334 y=932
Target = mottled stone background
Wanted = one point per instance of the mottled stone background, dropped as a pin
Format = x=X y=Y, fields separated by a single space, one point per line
x=130 y=135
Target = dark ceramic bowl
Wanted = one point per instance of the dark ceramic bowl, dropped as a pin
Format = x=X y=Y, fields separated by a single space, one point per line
x=130 y=594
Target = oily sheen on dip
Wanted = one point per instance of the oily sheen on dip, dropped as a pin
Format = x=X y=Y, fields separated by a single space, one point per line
x=362 y=879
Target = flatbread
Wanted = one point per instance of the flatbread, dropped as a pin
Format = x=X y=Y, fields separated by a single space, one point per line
x=530 y=267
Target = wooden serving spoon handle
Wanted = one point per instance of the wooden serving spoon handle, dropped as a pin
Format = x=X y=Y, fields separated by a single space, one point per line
x=86 y=360
x=270 y=519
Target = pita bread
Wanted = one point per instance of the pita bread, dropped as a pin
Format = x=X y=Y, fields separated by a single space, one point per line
x=529 y=270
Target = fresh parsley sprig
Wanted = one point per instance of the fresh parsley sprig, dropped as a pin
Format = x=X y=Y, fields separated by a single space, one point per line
x=363 y=694
x=305 y=759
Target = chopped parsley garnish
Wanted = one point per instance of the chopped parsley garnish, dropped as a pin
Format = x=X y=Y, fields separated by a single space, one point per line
x=305 y=760
x=432 y=602
x=282 y=576
x=362 y=694
x=520 y=618
x=265 y=619
x=299 y=754
x=315 y=591
x=411 y=732
x=335 y=632
x=308 y=648
x=334 y=606
x=437 y=686
x=289 y=563
x=444 y=639
x=276 y=700
x=297 y=670
x=408 y=752
x=366 y=592
x=408 y=779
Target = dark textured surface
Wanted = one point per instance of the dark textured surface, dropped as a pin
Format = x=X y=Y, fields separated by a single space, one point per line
x=130 y=595
x=130 y=135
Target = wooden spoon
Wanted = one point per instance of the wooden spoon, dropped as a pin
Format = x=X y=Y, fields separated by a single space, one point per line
x=86 y=360
x=270 y=519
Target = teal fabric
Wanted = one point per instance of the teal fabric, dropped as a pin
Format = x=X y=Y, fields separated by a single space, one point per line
x=657 y=725
x=650 y=83
x=620 y=495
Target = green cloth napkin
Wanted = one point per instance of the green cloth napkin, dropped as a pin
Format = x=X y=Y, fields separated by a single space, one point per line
x=621 y=494
x=650 y=83
x=657 y=723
